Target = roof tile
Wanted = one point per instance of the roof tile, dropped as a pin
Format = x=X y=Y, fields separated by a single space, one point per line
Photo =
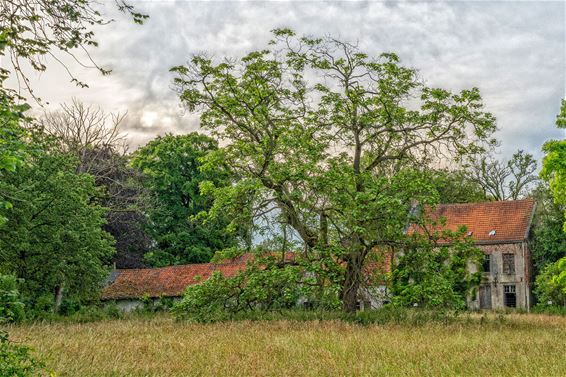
x=509 y=219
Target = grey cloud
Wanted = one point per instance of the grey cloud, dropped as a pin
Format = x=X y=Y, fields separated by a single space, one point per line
x=513 y=51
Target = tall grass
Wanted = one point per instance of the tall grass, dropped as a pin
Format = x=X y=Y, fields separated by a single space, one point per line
x=492 y=345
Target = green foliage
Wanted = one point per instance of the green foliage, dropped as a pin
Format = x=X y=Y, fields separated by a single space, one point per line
x=387 y=315
x=171 y=166
x=33 y=30
x=11 y=305
x=436 y=275
x=393 y=314
x=547 y=239
x=77 y=314
x=331 y=138
x=12 y=146
x=456 y=187
x=554 y=163
x=16 y=360
x=550 y=287
x=268 y=283
x=53 y=238
x=219 y=298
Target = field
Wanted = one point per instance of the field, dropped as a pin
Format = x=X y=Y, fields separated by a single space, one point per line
x=527 y=345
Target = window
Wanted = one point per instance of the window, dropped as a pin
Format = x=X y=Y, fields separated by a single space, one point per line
x=508 y=263
x=486 y=266
x=510 y=296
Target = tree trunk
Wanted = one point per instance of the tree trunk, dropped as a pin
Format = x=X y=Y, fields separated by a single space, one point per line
x=352 y=283
x=323 y=237
x=58 y=297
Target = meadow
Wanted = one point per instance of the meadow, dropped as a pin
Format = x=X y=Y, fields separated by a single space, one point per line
x=519 y=344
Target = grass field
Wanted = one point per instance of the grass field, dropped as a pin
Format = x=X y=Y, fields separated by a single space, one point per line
x=520 y=345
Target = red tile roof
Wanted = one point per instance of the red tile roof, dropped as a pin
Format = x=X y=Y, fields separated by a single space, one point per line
x=166 y=281
x=509 y=219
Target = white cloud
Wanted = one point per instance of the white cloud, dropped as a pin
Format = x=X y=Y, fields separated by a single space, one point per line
x=513 y=51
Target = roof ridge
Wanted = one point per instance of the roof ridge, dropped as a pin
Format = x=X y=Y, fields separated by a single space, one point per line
x=486 y=202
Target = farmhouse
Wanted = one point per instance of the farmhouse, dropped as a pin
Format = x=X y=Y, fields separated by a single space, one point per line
x=499 y=229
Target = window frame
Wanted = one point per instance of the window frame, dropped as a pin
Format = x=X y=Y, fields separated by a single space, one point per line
x=508 y=266
x=510 y=295
x=486 y=263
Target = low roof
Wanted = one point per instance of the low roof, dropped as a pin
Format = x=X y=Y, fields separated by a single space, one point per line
x=490 y=222
x=166 y=281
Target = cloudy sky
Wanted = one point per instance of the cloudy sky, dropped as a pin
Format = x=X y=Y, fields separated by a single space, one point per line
x=513 y=51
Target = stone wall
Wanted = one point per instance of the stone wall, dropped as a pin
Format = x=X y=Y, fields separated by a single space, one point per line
x=494 y=282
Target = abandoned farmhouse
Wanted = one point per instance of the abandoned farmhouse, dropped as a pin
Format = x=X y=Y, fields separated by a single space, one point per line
x=499 y=229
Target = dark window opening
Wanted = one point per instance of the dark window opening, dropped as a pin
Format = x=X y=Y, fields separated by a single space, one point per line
x=510 y=296
x=486 y=263
x=508 y=263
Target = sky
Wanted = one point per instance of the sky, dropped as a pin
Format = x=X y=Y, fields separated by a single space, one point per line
x=514 y=52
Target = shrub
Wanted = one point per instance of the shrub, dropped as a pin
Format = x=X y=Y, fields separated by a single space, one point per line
x=255 y=289
x=550 y=286
x=436 y=276
x=16 y=360
x=11 y=306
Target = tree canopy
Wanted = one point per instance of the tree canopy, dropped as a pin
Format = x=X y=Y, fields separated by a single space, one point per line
x=171 y=168
x=53 y=238
x=30 y=31
x=96 y=140
x=554 y=163
x=505 y=180
x=320 y=130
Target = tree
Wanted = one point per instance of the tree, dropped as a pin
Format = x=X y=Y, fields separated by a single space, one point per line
x=509 y=180
x=33 y=30
x=547 y=239
x=554 y=163
x=94 y=138
x=30 y=31
x=550 y=287
x=11 y=306
x=12 y=145
x=318 y=129
x=171 y=166
x=53 y=238
x=455 y=186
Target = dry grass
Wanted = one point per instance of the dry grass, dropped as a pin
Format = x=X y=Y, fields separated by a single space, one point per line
x=527 y=345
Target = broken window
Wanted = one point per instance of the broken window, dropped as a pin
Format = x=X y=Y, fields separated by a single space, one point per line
x=486 y=266
x=510 y=296
x=508 y=263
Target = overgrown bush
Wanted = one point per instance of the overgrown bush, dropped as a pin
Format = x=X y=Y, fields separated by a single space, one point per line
x=219 y=297
x=267 y=284
x=550 y=286
x=436 y=275
x=16 y=360
x=11 y=305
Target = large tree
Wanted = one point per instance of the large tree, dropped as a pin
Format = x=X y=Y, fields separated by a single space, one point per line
x=53 y=238
x=319 y=129
x=554 y=163
x=548 y=240
x=95 y=139
x=505 y=180
x=171 y=168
